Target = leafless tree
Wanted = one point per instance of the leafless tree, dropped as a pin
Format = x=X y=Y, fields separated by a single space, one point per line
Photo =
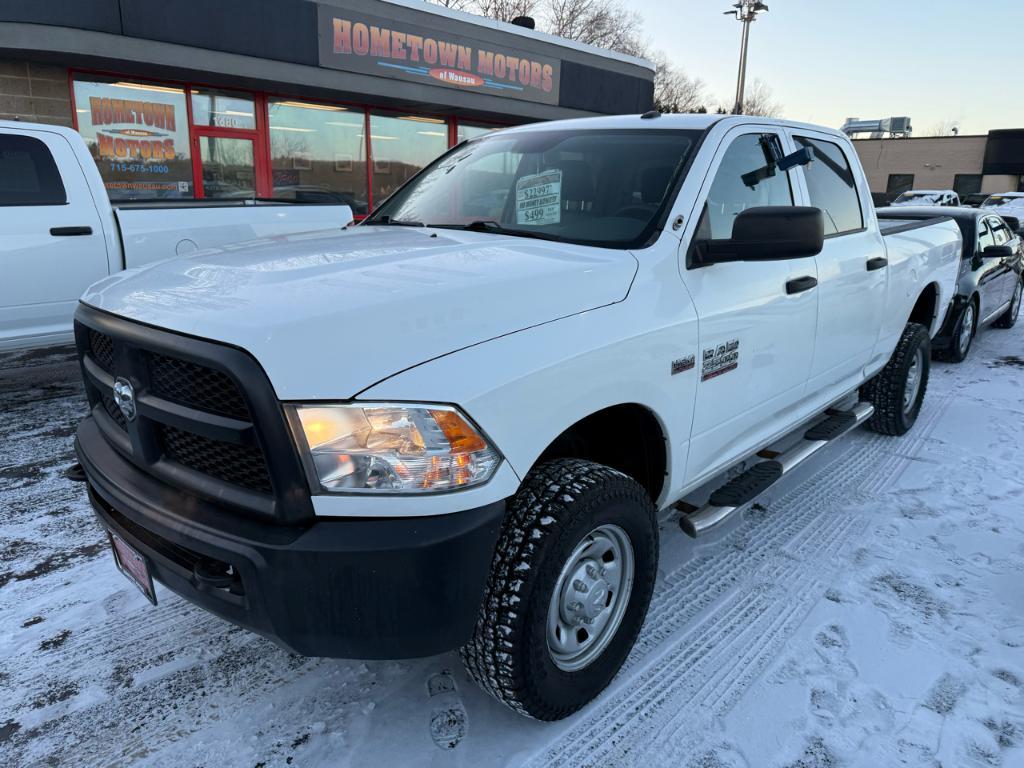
x=757 y=100
x=502 y=10
x=456 y=5
x=674 y=90
x=946 y=127
x=605 y=23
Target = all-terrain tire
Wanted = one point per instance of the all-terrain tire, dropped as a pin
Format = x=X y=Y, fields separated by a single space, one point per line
x=558 y=505
x=1009 y=318
x=886 y=389
x=955 y=353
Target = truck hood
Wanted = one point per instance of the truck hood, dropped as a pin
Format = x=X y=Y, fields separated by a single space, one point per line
x=328 y=314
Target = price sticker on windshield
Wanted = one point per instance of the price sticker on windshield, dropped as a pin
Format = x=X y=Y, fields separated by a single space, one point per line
x=539 y=198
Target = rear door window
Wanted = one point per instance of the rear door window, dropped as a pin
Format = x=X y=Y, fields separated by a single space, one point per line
x=28 y=174
x=832 y=186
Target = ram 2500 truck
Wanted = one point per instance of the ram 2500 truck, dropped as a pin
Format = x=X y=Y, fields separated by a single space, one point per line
x=61 y=234
x=456 y=424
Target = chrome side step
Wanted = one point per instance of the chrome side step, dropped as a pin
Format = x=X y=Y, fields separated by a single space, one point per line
x=740 y=491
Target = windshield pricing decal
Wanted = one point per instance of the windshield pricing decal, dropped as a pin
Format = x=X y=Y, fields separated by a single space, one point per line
x=721 y=359
x=539 y=198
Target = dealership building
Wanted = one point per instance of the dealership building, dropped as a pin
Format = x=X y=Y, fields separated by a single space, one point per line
x=988 y=163
x=337 y=100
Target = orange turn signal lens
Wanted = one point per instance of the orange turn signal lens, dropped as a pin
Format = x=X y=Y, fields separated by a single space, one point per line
x=462 y=437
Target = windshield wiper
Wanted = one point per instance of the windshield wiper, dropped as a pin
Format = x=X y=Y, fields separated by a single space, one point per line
x=488 y=225
x=387 y=221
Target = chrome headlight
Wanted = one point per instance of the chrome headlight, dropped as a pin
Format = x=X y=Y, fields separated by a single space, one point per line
x=392 y=447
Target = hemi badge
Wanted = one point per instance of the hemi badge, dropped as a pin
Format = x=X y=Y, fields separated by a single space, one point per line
x=683 y=364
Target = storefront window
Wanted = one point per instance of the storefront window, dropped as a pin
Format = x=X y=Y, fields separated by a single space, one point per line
x=229 y=169
x=401 y=147
x=138 y=135
x=470 y=131
x=223 y=109
x=318 y=154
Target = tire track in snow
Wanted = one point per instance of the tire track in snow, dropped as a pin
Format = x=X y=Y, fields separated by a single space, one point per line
x=764 y=584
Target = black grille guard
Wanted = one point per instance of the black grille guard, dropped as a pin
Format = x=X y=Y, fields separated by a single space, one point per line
x=264 y=435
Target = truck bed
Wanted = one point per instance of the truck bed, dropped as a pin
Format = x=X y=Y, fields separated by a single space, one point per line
x=894 y=226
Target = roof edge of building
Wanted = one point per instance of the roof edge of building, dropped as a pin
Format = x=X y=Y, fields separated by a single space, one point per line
x=514 y=29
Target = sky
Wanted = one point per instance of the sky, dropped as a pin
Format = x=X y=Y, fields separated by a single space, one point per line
x=826 y=60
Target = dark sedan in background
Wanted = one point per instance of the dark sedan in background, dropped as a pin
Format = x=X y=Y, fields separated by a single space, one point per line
x=990 y=284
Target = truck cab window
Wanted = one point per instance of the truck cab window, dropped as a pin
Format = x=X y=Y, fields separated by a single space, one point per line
x=985 y=236
x=832 y=188
x=28 y=174
x=730 y=194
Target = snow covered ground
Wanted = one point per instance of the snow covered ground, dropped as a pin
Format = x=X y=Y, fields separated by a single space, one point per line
x=869 y=612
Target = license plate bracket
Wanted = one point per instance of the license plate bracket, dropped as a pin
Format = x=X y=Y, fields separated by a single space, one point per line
x=134 y=565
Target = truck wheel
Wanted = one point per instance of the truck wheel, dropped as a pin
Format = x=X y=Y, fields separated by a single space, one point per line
x=960 y=337
x=897 y=391
x=1009 y=318
x=572 y=577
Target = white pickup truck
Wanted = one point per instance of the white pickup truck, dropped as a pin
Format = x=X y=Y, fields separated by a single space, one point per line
x=61 y=234
x=457 y=424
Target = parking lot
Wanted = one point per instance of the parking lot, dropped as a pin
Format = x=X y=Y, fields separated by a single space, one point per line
x=867 y=612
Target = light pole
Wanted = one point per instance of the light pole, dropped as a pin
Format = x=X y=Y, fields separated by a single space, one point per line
x=745 y=11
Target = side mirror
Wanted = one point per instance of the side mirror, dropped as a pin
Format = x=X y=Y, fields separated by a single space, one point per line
x=768 y=233
x=1014 y=224
x=997 y=252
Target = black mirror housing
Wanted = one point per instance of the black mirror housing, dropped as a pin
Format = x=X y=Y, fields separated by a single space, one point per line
x=1013 y=223
x=998 y=252
x=769 y=233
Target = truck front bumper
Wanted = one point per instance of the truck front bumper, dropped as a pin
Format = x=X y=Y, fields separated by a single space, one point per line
x=368 y=588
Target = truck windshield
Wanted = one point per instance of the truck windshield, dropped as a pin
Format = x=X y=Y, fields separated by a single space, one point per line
x=919 y=198
x=605 y=188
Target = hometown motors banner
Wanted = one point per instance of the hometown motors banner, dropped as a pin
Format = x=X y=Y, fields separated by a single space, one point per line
x=358 y=42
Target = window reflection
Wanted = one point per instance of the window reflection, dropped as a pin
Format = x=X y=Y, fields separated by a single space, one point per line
x=228 y=168
x=470 y=131
x=138 y=135
x=223 y=109
x=401 y=147
x=318 y=153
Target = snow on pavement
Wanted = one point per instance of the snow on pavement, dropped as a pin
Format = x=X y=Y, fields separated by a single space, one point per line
x=867 y=612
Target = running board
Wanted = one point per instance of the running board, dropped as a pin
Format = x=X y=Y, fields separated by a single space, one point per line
x=743 y=489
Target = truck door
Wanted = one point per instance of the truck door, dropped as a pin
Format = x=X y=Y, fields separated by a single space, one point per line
x=52 y=246
x=852 y=267
x=756 y=319
x=1006 y=275
x=991 y=271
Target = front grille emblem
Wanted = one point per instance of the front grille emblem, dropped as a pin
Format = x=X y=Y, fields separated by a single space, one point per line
x=124 y=397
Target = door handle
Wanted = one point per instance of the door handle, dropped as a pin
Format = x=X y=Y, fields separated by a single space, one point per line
x=801 y=284
x=70 y=231
x=879 y=262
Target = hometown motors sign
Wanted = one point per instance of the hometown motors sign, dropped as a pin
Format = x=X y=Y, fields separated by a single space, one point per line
x=358 y=42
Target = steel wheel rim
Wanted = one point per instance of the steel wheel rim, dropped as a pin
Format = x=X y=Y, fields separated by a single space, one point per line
x=590 y=598
x=966 y=328
x=913 y=384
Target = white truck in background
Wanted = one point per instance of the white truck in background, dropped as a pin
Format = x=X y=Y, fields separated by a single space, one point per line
x=458 y=424
x=61 y=234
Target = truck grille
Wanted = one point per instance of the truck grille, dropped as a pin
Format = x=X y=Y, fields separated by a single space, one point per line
x=102 y=348
x=201 y=406
x=196 y=386
x=241 y=465
x=113 y=411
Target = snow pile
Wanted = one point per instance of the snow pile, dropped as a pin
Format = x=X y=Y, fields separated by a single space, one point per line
x=868 y=612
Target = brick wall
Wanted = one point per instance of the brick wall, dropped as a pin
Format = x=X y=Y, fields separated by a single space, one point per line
x=34 y=93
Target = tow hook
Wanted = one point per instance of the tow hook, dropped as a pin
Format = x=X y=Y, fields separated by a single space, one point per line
x=214 y=574
x=75 y=473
